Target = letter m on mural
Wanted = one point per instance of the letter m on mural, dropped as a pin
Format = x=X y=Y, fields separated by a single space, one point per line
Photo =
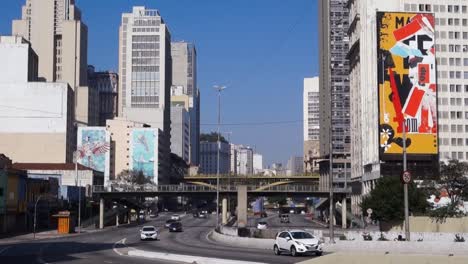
x=407 y=84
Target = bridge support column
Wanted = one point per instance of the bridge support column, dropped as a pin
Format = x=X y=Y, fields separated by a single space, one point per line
x=117 y=219
x=101 y=213
x=224 y=210
x=241 y=206
x=343 y=213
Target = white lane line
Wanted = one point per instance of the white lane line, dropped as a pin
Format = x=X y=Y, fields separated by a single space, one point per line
x=185 y=258
x=4 y=249
x=122 y=241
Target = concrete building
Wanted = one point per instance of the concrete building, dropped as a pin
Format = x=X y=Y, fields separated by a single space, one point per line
x=295 y=166
x=233 y=159
x=124 y=154
x=60 y=39
x=37 y=117
x=106 y=83
x=257 y=163
x=311 y=113
x=209 y=158
x=180 y=132
x=334 y=86
x=184 y=77
x=145 y=72
x=244 y=161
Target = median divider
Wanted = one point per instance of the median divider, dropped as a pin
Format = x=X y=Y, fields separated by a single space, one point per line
x=246 y=242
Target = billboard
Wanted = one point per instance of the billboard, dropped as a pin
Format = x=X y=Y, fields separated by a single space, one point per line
x=93 y=149
x=144 y=152
x=407 y=87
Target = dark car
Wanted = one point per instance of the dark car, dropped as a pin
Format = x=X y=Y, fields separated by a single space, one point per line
x=284 y=218
x=175 y=227
x=169 y=222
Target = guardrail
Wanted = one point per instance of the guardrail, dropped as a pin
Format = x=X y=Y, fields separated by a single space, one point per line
x=120 y=188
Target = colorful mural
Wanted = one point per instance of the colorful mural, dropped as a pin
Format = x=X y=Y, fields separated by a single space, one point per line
x=144 y=151
x=407 y=83
x=93 y=148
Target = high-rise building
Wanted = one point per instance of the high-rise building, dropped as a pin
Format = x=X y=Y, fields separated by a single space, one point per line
x=257 y=163
x=37 y=117
x=145 y=71
x=180 y=132
x=60 y=39
x=184 y=77
x=295 y=166
x=244 y=160
x=233 y=158
x=334 y=86
x=311 y=114
x=209 y=157
x=106 y=83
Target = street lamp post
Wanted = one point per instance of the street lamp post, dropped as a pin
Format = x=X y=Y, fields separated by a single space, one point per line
x=219 y=89
x=405 y=185
x=35 y=213
x=78 y=184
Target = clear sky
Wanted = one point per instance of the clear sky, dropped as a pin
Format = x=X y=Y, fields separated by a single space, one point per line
x=260 y=49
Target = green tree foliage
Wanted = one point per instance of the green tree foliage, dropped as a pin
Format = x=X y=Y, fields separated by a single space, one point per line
x=133 y=177
x=387 y=200
x=453 y=179
x=280 y=200
x=212 y=137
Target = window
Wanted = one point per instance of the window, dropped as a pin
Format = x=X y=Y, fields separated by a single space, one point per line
x=465 y=35
x=464 y=9
x=436 y=8
x=450 y=22
x=450 y=8
x=454 y=142
x=460 y=155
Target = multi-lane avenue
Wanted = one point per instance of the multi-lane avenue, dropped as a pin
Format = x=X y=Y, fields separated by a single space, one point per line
x=113 y=245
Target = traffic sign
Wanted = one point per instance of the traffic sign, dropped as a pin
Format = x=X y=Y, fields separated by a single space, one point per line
x=406 y=177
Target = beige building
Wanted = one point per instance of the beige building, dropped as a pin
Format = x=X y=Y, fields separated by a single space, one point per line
x=60 y=39
x=37 y=117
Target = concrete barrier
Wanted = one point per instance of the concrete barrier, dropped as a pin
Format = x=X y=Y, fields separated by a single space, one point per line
x=415 y=236
x=257 y=243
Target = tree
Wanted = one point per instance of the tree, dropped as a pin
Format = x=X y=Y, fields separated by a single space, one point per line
x=133 y=177
x=387 y=200
x=454 y=180
x=280 y=200
x=212 y=137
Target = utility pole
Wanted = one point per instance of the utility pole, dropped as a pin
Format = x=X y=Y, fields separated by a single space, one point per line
x=78 y=184
x=405 y=184
x=35 y=216
x=219 y=89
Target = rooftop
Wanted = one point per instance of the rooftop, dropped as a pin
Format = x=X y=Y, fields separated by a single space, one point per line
x=48 y=166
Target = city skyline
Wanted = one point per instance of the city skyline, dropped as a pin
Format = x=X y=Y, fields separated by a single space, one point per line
x=283 y=63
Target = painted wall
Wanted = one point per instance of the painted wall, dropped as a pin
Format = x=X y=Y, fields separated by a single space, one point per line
x=144 y=152
x=94 y=149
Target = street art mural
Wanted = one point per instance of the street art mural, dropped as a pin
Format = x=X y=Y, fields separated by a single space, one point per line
x=144 y=152
x=407 y=87
x=93 y=149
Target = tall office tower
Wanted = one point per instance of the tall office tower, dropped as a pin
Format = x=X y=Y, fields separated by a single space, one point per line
x=233 y=158
x=106 y=83
x=184 y=76
x=257 y=163
x=334 y=87
x=60 y=39
x=244 y=160
x=311 y=114
x=145 y=71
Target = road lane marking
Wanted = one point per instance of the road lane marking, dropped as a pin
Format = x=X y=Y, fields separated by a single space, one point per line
x=122 y=241
x=4 y=249
x=40 y=258
x=185 y=258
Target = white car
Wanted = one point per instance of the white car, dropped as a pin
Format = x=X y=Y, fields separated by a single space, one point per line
x=262 y=225
x=175 y=217
x=149 y=232
x=297 y=242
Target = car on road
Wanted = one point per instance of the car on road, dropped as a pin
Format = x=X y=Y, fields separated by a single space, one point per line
x=169 y=222
x=154 y=214
x=175 y=217
x=284 y=218
x=202 y=215
x=149 y=232
x=296 y=242
x=175 y=227
x=262 y=225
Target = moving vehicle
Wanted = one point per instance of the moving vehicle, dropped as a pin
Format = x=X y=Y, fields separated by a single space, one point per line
x=175 y=227
x=175 y=217
x=262 y=225
x=202 y=215
x=297 y=242
x=169 y=222
x=149 y=232
x=284 y=218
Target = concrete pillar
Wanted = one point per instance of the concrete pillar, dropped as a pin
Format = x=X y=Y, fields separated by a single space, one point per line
x=241 y=206
x=343 y=213
x=117 y=219
x=101 y=213
x=224 y=210
x=128 y=217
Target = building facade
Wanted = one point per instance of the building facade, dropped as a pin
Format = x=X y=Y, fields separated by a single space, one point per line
x=334 y=86
x=106 y=84
x=180 y=132
x=184 y=77
x=233 y=159
x=244 y=160
x=209 y=157
x=37 y=116
x=60 y=39
x=257 y=163
x=295 y=166
x=311 y=113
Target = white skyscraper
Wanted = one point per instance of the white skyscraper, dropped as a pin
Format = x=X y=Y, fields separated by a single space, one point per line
x=311 y=112
x=145 y=71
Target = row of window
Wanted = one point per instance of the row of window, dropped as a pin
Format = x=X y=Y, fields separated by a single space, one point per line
x=454 y=155
x=453 y=115
x=451 y=21
x=146 y=29
x=453 y=101
x=451 y=48
x=452 y=61
x=437 y=8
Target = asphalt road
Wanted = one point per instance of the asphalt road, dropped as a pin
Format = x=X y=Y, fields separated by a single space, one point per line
x=100 y=247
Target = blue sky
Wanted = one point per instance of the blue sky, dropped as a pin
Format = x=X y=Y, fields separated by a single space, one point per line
x=260 y=49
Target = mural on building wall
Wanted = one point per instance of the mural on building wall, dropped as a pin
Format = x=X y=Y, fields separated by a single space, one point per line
x=407 y=83
x=144 y=152
x=94 y=148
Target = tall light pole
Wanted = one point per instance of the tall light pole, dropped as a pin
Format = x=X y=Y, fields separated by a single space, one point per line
x=78 y=184
x=35 y=213
x=405 y=184
x=219 y=89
